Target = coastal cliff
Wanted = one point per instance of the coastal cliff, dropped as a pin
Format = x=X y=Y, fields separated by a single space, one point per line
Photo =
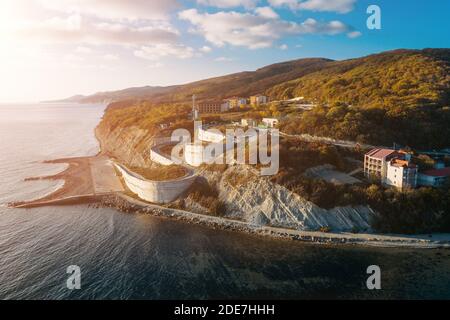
x=130 y=146
x=245 y=195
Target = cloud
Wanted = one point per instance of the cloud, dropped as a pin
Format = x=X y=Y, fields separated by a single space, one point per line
x=111 y=57
x=266 y=12
x=252 y=30
x=340 y=6
x=82 y=49
x=155 y=65
x=115 y=9
x=354 y=34
x=157 y=51
x=205 y=49
x=283 y=47
x=223 y=59
x=76 y=29
x=229 y=3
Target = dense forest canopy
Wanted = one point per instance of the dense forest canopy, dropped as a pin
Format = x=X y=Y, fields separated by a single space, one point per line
x=390 y=79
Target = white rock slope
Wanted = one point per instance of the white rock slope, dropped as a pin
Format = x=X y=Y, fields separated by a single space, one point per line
x=255 y=199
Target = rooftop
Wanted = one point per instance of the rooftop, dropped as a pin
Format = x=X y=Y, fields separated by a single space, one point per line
x=380 y=153
x=403 y=163
x=445 y=172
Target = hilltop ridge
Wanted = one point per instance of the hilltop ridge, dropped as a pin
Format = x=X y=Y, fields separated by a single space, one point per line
x=388 y=78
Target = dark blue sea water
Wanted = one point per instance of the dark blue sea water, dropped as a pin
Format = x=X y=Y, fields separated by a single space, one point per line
x=125 y=256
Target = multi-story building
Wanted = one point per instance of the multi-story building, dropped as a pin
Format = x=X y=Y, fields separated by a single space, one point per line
x=375 y=162
x=247 y=122
x=270 y=122
x=392 y=167
x=237 y=102
x=401 y=174
x=213 y=107
x=258 y=100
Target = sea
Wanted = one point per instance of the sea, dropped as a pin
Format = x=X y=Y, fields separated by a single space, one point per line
x=137 y=256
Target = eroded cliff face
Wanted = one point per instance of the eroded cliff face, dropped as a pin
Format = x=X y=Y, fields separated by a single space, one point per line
x=256 y=199
x=130 y=145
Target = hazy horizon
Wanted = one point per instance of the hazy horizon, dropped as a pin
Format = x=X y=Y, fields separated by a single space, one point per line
x=52 y=49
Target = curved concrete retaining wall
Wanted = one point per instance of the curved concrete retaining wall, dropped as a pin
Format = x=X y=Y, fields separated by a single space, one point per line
x=208 y=136
x=155 y=191
x=157 y=157
x=161 y=140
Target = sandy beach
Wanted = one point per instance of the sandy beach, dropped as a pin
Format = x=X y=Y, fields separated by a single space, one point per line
x=86 y=180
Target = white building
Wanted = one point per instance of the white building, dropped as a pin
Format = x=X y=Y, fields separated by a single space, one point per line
x=248 y=122
x=401 y=174
x=270 y=122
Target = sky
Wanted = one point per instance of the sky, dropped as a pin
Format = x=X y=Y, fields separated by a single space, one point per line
x=51 y=49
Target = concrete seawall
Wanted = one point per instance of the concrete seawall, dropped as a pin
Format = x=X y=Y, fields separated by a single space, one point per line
x=158 y=157
x=156 y=191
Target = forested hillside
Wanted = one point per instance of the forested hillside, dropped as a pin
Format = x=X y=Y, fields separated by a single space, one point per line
x=399 y=96
x=390 y=79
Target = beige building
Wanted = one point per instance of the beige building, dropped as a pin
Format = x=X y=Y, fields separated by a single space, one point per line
x=375 y=162
x=213 y=107
x=258 y=100
x=392 y=167
x=237 y=102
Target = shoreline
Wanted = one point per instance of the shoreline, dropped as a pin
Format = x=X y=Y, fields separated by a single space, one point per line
x=127 y=204
x=315 y=237
x=92 y=180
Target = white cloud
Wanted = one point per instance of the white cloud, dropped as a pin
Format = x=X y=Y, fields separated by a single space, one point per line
x=284 y=47
x=156 y=65
x=157 y=51
x=76 y=29
x=267 y=12
x=115 y=9
x=73 y=58
x=354 y=34
x=82 y=49
x=341 y=6
x=251 y=30
x=205 y=49
x=223 y=59
x=111 y=57
x=229 y=3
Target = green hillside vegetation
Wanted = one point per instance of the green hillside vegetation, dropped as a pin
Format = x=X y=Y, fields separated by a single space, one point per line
x=391 y=79
x=399 y=96
x=145 y=115
x=423 y=127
